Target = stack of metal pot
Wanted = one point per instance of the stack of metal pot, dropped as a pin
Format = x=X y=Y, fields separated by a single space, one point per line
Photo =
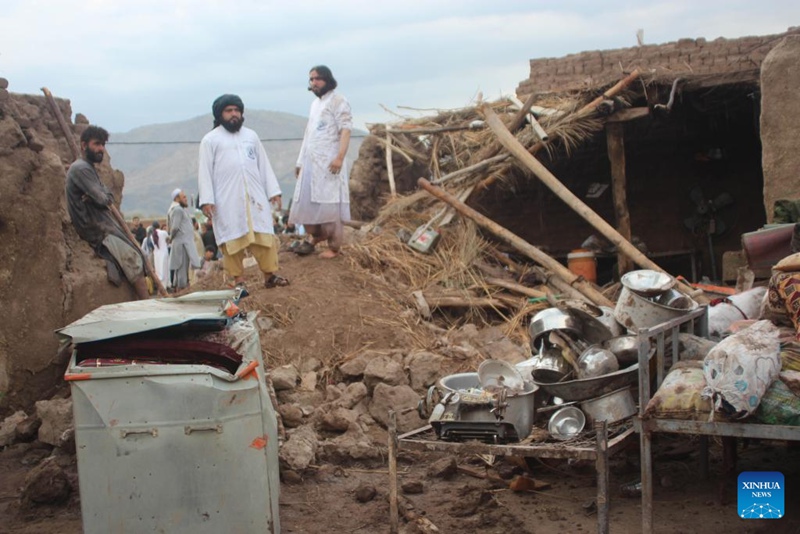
x=649 y=298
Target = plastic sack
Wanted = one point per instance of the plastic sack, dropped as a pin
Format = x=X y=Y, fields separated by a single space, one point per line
x=779 y=406
x=679 y=396
x=741 y=368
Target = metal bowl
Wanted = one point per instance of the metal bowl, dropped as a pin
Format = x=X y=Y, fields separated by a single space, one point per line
x=566 y=423
x=648 y=283
x=589 y=388
x=498 y=374
x=611 y=407
x=552 y=319
x=672 y=298
x=625 y=348
x=596 y=361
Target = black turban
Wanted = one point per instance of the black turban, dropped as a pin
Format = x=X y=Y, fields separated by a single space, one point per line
x=224 y=101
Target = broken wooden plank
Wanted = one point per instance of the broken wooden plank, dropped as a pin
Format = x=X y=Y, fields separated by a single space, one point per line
x=513 y=286
x=389 y=165
x=537 y=128
x=628 y=114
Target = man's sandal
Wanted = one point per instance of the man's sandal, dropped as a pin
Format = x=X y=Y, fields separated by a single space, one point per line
x=276 y=281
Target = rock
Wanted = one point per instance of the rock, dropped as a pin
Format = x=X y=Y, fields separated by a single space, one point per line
x=300 y=449
x=28 y=430
x=384 y=370
x=309 y=364
x=80 y=118
x=352 y=395
x=66 y=441
x=397 y=398
x=443 y=468
x=291 y=477
x=354 y=367
x=46 y=483
x=506 y=350
x=365 y=492
x=56 y=417
x=34 y=142
x=4 y=95
x=8 y=428
x=333 y=393
x=291 y=414
x=353 y=445
x=466 y=334
x=284 y=377
x=338 y=419
x=11 y=135
x=412 y=487
x=308 y=382
x=424 y=369
x=3 y=83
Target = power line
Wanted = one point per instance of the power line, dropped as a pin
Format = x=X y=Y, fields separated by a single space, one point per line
x=198 y=142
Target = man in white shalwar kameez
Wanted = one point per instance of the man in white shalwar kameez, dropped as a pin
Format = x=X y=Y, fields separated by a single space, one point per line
x=183 y=252
x=321 y=201
x=237 y=186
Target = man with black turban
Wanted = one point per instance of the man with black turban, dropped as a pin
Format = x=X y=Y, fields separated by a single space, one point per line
x=237 y=186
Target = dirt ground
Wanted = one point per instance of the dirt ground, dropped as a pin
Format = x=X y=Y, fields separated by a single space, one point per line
x=331 y=311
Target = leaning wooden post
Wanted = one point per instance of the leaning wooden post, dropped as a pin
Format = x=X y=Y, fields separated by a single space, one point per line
x=389 y=165
x=616 y=154
x=393 y=512
x=601 y=464
x=586 y=288
x=511 y=144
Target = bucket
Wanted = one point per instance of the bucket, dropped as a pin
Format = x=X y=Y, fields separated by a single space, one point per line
x=636 y=312
x=583 y=263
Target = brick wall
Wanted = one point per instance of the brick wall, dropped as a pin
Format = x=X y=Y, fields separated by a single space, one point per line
x=685 y=56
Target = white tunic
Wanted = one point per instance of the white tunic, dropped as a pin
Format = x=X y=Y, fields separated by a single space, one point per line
x=327 y=118
x=234 y=168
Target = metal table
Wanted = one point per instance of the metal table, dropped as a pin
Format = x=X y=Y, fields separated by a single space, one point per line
x=424 y=439
x=696 y=321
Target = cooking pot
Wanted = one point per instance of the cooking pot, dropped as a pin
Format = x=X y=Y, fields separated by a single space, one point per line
x=635 y=312
x=596 y=361
x=566 y=423
x=611 y=407
x=625 y=348
x=552 y=319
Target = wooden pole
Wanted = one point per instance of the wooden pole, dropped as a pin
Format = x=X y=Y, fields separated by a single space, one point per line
x=615 y=137
x=511 y=144
x=393 y=513
x=513 y=286
x=389 y=165
x=586 y=288
x=76 y=153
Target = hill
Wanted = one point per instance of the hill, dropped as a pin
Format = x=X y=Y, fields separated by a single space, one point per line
x=160 y=157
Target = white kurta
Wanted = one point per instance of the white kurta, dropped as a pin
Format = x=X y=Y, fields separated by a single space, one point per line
x=321 y=196
x=233 y=168
x=161 y=257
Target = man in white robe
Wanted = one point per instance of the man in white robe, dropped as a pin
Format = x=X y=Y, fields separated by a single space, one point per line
x=237 y=187
x=321 y=201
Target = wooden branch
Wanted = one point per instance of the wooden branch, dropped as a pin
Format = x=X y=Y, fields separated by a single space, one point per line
x=472 y=168
x=427 y=131
x=511 y=144
x=389 y=165
x=73 y=145
x=464 y=302
x=398 y=150
x=393 y=505
x=517 y=242
x=537 y=128
x=513 y=286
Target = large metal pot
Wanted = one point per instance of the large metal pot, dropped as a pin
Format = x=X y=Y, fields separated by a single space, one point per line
x=520 y=410
x=552 y=319
x=625 y=348
x=635 y=312
x=611 y=407
x=596 y=361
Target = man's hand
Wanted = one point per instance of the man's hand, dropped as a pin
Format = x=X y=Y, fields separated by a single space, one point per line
x=208 y=210
x=336 y=165
x=276 y=201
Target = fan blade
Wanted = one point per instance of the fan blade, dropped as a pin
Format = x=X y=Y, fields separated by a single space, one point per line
x=697 y=196
x=722 y=200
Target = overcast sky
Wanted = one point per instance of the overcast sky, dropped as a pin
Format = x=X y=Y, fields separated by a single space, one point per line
x=126 y=63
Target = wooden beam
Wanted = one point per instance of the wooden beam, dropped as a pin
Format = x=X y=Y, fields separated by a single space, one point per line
x=389 y=165
x=629 y=114
x=615 y=137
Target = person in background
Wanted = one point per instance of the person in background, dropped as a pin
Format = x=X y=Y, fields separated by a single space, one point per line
x=321 y=200
x=161 y=254
x=183 y=253
x=238 y=188
x=138 y=231
x=209 y=240
x=90 y=205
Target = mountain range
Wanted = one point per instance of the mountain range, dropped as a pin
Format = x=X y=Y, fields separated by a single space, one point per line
x=160 y=157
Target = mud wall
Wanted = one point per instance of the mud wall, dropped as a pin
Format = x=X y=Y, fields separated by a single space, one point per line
x=780 y=126
x=48 y=276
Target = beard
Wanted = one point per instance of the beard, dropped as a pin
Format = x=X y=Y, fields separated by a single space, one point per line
x=233 y=125
x=92 y=156
x=184 y=203
x=319 y=92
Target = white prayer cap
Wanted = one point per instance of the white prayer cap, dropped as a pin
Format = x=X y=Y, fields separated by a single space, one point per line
x=175 y=192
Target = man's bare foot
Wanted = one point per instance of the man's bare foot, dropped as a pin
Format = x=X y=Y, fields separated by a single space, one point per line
x=328 y=254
